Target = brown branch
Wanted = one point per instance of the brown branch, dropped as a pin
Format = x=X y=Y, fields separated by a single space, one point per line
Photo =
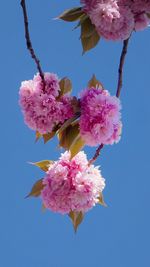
x=96 y=155
x=119 y=87
x=121 y=65
x=29 y=43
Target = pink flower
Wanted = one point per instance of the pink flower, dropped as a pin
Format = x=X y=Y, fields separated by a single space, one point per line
x=42 y=111
x=65 y=109
x=100 y=117
x=140 y=8
x=116 y=19
x=52 y=83
x=71 y=185
x=89 y=4
x=113 y=22
x=141 y=22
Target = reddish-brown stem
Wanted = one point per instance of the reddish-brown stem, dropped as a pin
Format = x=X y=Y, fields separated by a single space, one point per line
x=96 y=155
x=119 y=87
x=121 y=65
x=29 y=43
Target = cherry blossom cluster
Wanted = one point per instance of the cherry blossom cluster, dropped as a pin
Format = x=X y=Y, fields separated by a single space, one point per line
x=99 y=122
x=42 y=107
x=100 y=117
x=72 y=185
x=116 y=19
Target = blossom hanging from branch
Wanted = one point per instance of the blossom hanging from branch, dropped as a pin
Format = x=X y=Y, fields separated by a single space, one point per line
x=110 y=19
x=100 y=117
x=92 y=120
x=72 y=185
x=45 y=108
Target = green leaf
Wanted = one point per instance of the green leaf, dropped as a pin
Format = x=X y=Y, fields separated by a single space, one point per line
x=76 y=146
x=87 y=28
x=81 y=20
x=67 y=136
x=72 y=14
x=90 y=42
x=101 y=200
x=43 y=165
x=95 y=83
x=68 y=123
x=36 y=189
x=65 y=86
x=77 y=218
x=48 y=136
x=38 y=136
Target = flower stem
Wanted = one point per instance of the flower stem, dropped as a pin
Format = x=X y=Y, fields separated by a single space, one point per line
x=118 y=92
x=29 y=43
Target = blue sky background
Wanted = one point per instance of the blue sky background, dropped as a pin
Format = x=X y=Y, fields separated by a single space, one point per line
x=116 y=236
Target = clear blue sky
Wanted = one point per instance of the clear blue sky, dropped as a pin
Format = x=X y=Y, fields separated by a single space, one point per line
x=116 y=236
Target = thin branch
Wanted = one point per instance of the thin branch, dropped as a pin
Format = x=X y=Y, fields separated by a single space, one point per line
x=121 y=65
x=119 y=87
x=29 y=43
x=97 y=153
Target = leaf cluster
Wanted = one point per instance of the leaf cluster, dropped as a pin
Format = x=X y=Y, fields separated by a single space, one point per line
x=89 y=36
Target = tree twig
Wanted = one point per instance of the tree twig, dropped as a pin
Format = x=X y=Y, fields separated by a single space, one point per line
x=96 y=155
x=121 y=65
x=119 y=87
x=29 y=43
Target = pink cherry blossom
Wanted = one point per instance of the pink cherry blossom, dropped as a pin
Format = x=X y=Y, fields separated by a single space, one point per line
x=72 y=185
x=41 y=108
x=113 y=22
x=88 y=5
x=141 y=21
x=140 y=9
x=116 y=19
x=100 y=117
